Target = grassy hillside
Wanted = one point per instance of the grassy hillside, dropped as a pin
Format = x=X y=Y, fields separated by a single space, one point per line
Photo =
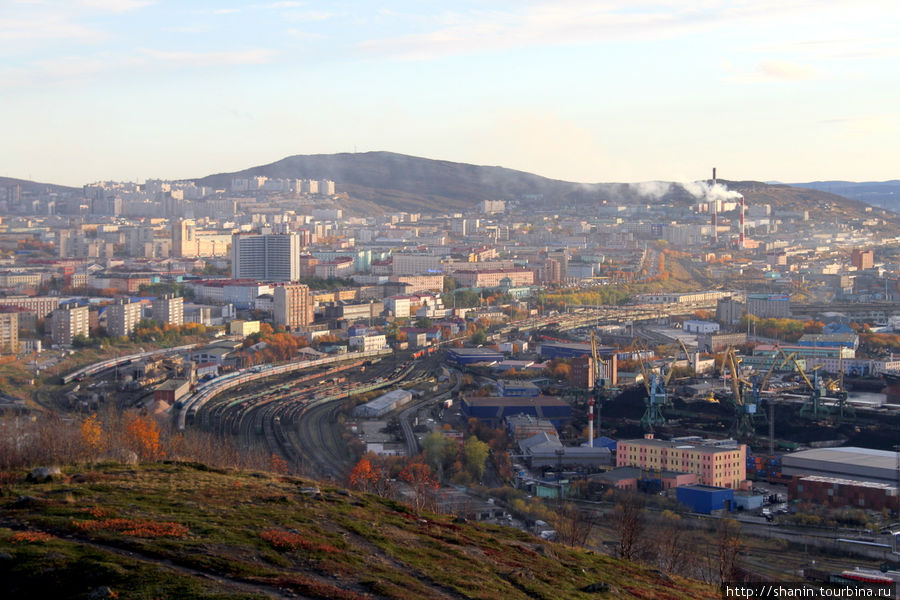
x=175 y=530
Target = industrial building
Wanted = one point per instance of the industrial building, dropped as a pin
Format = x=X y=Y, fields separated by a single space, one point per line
x=719 y=463
x=471 y=356
x=857 y=464
x=705 y=498
x=633 y=478
x=493 y=409
x=383 y=404
x=516 y=388
x=837 y=493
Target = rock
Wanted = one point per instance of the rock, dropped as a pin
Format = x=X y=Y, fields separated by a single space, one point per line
x=310 y=491
x=104 y=591
x=596 y=588
x=26 y=502
x=43 y=474
x=4 y=556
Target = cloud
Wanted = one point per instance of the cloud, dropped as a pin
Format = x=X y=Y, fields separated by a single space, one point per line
x=115 y=5
x=226 y=11
x=286 y=4
x=788 y=71
x=252 y=56
x=47 y=27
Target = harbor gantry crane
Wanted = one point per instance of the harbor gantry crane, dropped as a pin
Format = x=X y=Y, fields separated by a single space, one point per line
x=598 y=393
x=656 y=397
x=746 y=405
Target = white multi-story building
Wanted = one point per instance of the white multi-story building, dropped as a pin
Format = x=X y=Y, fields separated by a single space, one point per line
x=168 y=310
x=122 y=317
x=416 y=264
x=365 y=343
x=265 y=256
x=68 y=322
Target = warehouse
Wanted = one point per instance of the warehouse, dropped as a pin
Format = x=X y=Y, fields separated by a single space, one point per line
x=471 y=356
x=837 y=493
x=551 y=350
x=493 y=409
x=859 y=464
x=705 y=498
x=383 y=404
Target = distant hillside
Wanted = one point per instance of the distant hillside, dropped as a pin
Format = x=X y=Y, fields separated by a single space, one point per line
x=33 y=187
x=403 y=182
x=168 y=530
x=885 y=194
x=398 y=182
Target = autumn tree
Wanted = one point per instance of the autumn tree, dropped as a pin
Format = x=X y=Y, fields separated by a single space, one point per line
x=422 y=482
x=278 y=464
x=142 y=436
x=91 y=434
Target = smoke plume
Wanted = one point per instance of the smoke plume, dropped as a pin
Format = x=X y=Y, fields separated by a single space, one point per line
x=704 y=191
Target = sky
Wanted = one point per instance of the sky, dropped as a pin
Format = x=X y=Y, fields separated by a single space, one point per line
x=580 y=90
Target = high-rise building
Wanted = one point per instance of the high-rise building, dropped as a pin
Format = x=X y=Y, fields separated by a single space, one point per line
x=265 y=256
x=169 y=309
x=9 y=332
x=862 y=259
x=293 y=306
x=122 y=317
x=184 y=242
x=68 y=322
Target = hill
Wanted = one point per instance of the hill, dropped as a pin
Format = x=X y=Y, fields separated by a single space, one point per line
x=406 y=182
x=390 y=181
x=885 y=194
x=178 y=530
x=33 y=187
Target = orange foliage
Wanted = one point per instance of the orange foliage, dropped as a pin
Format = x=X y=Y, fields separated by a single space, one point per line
x=30 y=537
x=278 y=464
x=284 y=540
x=91 y=434
x=142 y=435
x=135 y=527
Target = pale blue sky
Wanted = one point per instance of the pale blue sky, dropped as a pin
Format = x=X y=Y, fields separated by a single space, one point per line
x=613 y=90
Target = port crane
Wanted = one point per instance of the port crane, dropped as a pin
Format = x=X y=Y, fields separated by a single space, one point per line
x=745 y=396
x=598 y=394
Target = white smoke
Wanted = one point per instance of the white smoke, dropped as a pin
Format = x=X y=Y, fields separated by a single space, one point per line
x=704 y=191
x=651 y=189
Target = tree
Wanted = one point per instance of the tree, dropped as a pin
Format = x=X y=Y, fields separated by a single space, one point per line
x=574 y=525
x=91 y=432
x=629 y=518
x=364 y=475
x=438 y=449
x=419 y=477
x=729 y=547
x=142 y=436
x=278 y=464
x=478 y=338
x=476 y=453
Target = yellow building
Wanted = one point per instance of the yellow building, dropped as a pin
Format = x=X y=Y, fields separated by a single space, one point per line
x=243 y=328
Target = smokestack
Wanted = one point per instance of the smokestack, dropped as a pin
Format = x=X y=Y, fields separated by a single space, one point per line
x=715 y=213
x=591 y=422
x=741 y=234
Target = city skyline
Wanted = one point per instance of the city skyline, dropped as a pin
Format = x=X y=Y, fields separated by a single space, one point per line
x=591 y=92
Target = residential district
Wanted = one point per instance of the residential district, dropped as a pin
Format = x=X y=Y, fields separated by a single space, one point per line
x=705 y=353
